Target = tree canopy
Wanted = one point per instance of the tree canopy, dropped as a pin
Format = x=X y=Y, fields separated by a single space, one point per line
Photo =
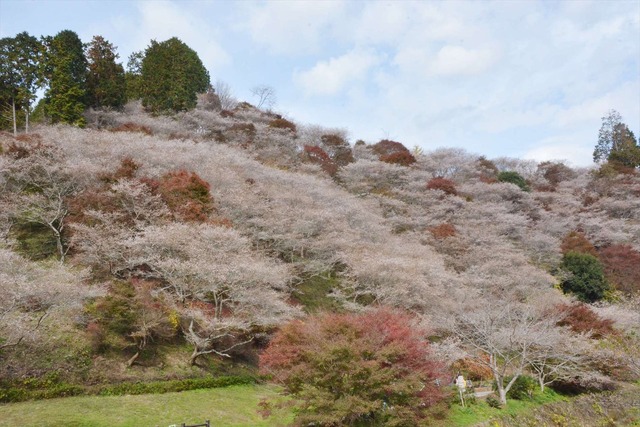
x=20 y=71
x=65 y=99
x=616 y=142
x=105 y=81
x=172 y=75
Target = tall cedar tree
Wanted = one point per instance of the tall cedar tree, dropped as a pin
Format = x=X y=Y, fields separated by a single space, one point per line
x=172 y=75
x=8 y=84
x=20 y=68
x=355 y=369
x=105 y=81
x=616 y=143
x=65 y=100
x=133 y=76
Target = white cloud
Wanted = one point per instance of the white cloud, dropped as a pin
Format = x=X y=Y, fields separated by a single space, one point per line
x=161 y=20
x=292 y=27
x=330 y=77
x=457 y=60
x=562 y=147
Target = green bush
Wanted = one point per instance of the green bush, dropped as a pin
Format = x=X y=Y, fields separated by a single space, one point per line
x=523 y=388
x=587 y=280
x=34 y=388
x=514 y=178
x=493 y=402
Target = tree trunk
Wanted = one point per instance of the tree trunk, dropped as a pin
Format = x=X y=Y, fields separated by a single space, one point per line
x=13 y=110
x=194 y=356
x=59 y=245
x=541 y=382
x=503 y=394
x=132 y=359
x=26 y=123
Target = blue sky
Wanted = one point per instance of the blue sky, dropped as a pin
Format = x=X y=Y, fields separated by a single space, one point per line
x=513 y=78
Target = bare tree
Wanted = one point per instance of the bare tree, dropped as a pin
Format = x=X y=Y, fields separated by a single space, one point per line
x=209 y=335
x=42 y=186
x=502 y=338
x=558 y=355
x=30 y=291
x=266 y=96
x=227 y=100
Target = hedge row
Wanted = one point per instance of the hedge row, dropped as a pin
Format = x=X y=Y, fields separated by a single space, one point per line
x=18 y=392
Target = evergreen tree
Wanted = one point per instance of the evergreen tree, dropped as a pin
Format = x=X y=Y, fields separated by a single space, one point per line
x=616 y=142
x=20 y=71
x=67 y=74
x=172 y=75
x=105 y=80
x=587 y=280
x=133 y=76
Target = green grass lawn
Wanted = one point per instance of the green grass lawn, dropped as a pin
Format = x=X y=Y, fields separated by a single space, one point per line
x=481 y=412
x=229 y=406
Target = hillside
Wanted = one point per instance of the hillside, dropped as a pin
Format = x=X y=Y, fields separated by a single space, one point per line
x=154 y=247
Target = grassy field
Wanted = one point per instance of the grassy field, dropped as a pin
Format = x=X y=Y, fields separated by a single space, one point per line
x=481 y=412
x=229 y=406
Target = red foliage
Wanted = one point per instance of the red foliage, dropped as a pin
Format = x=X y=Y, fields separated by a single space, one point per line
x=442 y=184
x=95 y=199
x=576 y=241
x=472 y=369
x=339 y=149
x=316 y=155
x=622 y=267
x=25 y=145
x=442 y=231
x=133 y=127
x=226 y=113
x=393 y=152
x=376 y=356
x=555 y=173
x=580 y=318
x=283 y=124
x=126 y=170
x=186 y=194
x=402 y=158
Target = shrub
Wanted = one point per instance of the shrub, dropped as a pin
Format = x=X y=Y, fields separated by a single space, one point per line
x=402 y=158
x=443 y=231
x=443 y=184
x=115 y=312
x=156 y=387
x=316 y=155
x=575 y=241
x=393 y=152
x=338 y=149
x=283 y=124
x=487 y=168
x=134 y=128
x=555 y=173
x=248 y=128
x=622 y=267
x=513 y=178
x=493 y=401
x=523 y=388
x=127 y=170
x=587 y=280
x=472 y=369
x=186 y=194
x=350 y=369
x=580 y=318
